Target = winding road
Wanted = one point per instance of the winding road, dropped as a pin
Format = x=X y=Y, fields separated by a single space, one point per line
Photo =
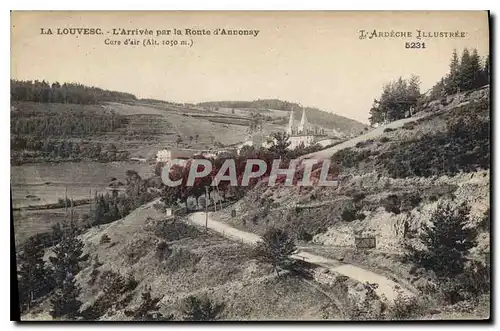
x=328 y=152
x=386 y=286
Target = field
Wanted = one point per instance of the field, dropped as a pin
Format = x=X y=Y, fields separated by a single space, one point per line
x=48 y=182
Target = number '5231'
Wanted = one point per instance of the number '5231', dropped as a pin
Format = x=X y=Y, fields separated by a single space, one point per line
x=416 y=45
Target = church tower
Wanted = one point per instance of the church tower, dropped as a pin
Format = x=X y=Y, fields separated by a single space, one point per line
x=289 y=130
x=303 y=123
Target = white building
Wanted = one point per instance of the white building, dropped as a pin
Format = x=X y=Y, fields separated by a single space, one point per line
x=167 y=155
x=303 y=134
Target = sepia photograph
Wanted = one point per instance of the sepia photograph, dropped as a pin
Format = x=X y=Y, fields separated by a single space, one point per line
x=187 y=166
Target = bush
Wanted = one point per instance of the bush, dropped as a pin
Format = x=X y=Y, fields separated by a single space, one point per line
x=405 y=307
x=105 y=239
x=410 y=201
x=392 y=204
x=349 y=214
x=358 y=197
x=469 y=285
x=148 y=310
x=409 y=126
x=345 y=157
x=201 y=309
x=389 y=130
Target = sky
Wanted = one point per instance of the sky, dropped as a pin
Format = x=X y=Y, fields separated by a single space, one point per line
x=313 y=58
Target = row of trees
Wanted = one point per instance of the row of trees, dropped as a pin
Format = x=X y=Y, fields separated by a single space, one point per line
x=467 y=73
x=42 y=91
x=402 y=97
x=398 y=100
x=32 y=149
x=65 y=123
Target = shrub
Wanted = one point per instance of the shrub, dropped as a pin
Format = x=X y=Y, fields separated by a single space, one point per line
x=384 y=139
x=148 y=310
x=410 y=201
x=358 y=197
x=392 y=204
x=345 y=157
x=201 y=309
x=349 y=214
x=162 y=250
x=409 y=126
x=371 y=308
x=469 y=285
x=105 y=239
x=304 y=235
x=405 y=307
x=389 y=130
x=171 y=231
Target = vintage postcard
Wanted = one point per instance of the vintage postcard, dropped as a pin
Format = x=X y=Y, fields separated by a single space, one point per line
x=257 y=166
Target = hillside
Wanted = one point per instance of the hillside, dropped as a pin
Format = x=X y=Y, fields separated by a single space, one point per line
x=391 y=185
x=393 y=182
x=176 y=261
x=315 y=116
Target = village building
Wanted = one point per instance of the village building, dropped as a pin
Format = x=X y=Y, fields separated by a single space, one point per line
x=302 y=134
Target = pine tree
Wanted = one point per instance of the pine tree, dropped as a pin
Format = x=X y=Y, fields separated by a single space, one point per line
x=65 y=300
x=466 y=71
x=276 y=248
x=66 y=262
x=68 y=255
x=475 y=67
x=446 y=242
x=485 y=73
x=452 y=83
x=35 y=279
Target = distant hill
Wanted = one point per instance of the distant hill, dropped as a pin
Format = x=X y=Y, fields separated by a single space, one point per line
x=314 y=115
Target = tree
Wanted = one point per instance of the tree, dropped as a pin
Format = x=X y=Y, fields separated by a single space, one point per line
x=178 y=141
x=475 y=67
x=486 y=70
x=396 y=100
x=65 y=300
x=446 y=242
x=276 y=248
x=453 y=79
x=35 y=279
x=66 y=262
x=201 y=309
x=280 y=141
x=170 y=195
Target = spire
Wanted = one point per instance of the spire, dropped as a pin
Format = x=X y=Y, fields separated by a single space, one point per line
x=303 y=122
x=289 y=130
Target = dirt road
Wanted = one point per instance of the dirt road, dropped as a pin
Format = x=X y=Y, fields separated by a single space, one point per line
x=386 y=287
x=327 y=153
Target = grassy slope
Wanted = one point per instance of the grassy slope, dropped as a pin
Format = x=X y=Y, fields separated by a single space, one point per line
x=199 y=264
